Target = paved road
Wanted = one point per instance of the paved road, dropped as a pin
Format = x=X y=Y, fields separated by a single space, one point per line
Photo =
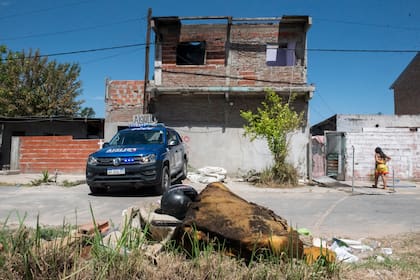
x=327 y=212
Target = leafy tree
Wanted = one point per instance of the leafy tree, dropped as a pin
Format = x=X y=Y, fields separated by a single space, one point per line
x=87 y=112
x=273 y=122
x=30 y=85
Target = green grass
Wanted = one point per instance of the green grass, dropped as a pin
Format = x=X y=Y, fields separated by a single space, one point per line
x=61 y=253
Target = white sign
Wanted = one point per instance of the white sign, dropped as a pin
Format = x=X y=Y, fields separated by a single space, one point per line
x=143 y=119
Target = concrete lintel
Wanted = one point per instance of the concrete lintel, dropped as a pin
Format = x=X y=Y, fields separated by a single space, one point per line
x=299 y=90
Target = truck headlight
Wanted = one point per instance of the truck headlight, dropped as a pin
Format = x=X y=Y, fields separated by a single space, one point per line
x=151 y=158
x=92 y=160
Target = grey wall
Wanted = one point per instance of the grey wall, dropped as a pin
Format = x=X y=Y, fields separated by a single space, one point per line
x=357 y=122
x=212 y=129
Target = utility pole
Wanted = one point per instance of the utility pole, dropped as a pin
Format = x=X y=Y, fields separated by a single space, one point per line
x=146 y=66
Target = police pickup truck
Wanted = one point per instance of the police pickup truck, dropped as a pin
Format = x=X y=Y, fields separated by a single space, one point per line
x=148 y=155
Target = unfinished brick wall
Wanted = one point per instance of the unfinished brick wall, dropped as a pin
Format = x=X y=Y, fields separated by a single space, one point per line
x=123 y=100
x=242 y=64
x=212 y=73
x=61 y=153
x=248 y=57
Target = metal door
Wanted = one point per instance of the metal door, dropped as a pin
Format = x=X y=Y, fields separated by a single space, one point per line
x=335 y=154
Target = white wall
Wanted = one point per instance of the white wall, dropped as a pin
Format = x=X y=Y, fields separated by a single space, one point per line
x=401 y=144
x=228 y=148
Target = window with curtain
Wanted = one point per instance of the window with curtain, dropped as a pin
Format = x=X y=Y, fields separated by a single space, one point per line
x=282 y=54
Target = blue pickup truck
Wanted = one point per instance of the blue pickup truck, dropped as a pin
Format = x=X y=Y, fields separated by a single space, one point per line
x=148 y=155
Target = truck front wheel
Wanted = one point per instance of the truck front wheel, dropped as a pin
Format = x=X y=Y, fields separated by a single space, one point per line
x=165 y=181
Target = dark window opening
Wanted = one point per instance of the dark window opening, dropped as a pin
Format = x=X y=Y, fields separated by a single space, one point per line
x=94 y=130
x=191 y=53
x=122 y=127
x=18 y=133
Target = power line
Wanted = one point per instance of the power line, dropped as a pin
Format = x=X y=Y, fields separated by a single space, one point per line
x=143 y=44
x=363 y=50
x=45 y=9
x=70 y=30
x=371 y=24
x=96 y=50
x=109 y=57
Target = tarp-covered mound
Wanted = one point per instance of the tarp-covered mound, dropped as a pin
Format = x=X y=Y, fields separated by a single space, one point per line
x=242 y=227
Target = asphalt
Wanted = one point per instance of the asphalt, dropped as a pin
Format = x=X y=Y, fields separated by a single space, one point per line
x=327 y=208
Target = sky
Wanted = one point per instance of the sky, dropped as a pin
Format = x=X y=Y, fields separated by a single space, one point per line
x=356 y=48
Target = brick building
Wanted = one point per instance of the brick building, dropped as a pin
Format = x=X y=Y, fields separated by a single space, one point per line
x=208 y=69
x=407 y=89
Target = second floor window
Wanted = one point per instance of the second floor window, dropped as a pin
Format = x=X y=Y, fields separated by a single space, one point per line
x=282 y=54
x=191 y=53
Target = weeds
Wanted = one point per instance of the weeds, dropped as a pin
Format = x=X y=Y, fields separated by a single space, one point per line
x=45 y=179
x=282 y=176
x=59 y=253
x=27 y=255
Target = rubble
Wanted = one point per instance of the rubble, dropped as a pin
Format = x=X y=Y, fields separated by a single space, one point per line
x=208 y=174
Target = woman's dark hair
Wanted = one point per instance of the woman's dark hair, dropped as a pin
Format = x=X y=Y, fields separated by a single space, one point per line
x=379 y=151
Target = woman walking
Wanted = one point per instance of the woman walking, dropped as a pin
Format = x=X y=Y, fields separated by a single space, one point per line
x=381 y=169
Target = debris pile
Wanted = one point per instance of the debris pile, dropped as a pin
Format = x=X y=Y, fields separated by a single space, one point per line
x=217 y=217
x=208 y=174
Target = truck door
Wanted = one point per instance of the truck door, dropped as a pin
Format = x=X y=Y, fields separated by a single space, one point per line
x=175 y=152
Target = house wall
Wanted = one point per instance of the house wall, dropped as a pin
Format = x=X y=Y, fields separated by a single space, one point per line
x=401 y=144
x=189 y=98
x=358 y=122
x=123 y=99
x=212 y=130
x=407 y=100
x=63 y=154
x=407 y=89
x=246 y=56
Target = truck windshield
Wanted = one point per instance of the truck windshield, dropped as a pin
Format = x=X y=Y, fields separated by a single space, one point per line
x=137 y=137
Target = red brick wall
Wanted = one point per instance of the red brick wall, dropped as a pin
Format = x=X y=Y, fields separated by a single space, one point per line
x=247 y=63
x=124 y=99
x=67 y=155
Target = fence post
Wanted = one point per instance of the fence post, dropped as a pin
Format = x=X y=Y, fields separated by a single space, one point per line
x=352 y=175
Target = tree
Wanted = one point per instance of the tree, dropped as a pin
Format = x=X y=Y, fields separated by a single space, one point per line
x=87 y=112
x=30 y=85
x=273 y=122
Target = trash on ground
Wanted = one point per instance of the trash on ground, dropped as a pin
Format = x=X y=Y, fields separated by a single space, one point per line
x=208 y=174
x=386 y=251
x=304 y=231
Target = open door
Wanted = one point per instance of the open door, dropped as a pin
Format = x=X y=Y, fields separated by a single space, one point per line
x=335 y=154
